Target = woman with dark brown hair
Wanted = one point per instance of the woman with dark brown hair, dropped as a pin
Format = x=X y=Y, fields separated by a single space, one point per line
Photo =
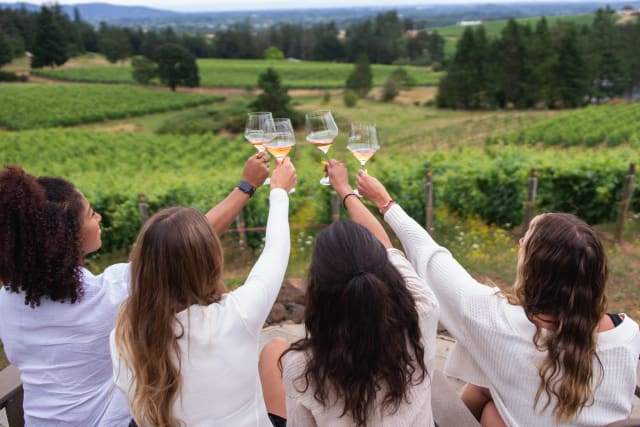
x=369 y=349
x=55 y=315
x=547 y=354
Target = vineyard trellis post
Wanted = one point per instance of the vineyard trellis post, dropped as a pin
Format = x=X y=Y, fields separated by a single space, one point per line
x=626 y=201
x=428 y=205
x=242 y=233
x=143 y=207
x=335 y=207
x=531 y=198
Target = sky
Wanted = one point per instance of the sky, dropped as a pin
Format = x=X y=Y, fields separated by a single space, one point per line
x=222 y=5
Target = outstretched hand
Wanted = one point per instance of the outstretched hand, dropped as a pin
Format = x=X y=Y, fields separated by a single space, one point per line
x=339 y=177
x=372 y=189
x=256 y=169
x=284 y=175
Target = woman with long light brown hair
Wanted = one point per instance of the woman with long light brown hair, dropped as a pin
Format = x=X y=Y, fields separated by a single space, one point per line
x=548 y=354
x=184 y=351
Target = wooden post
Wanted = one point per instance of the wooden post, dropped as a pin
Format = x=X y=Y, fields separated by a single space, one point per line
x=143 y=207
x=626 y=201
x=335 y=207
x=531 y=198
x=242 y=234
x=428 y=197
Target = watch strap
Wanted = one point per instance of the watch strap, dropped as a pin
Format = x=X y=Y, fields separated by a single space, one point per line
x=247 y=188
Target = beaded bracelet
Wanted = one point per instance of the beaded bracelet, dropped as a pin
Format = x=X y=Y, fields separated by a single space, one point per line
x=386 y=206
x=344 y=199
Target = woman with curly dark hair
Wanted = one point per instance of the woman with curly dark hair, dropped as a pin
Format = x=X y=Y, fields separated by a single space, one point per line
x=55 y=315
x=368 y=353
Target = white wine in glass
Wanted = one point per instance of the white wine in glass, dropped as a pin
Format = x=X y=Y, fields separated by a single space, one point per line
x=284 y=140
x=363 y=143
x=321 y=131
x=260 y=129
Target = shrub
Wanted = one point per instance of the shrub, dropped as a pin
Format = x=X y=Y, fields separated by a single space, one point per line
x=350 y=98
x=390 y=89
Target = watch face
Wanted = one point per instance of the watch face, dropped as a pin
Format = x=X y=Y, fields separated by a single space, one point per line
x=246 y=187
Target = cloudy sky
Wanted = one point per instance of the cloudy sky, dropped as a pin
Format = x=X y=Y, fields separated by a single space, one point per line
x=219 y=5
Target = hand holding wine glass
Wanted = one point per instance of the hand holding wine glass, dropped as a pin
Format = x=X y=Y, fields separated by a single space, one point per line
x=321 y=130
x=283 y=142
x=259 y=130
x=363 y=143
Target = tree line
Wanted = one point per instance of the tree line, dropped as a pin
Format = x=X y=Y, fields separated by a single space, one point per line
x=52 y=37
x=563 y=66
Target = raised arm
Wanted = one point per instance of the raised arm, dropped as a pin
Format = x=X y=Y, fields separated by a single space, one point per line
x=358 y=212
x=255 y=171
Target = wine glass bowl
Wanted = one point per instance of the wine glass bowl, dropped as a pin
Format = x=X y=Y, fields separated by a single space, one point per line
x=321 y=131
x=260 y=129
x=284 y=139
x=363 y=141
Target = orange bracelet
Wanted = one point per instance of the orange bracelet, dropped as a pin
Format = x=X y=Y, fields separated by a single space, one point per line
x=386 y=206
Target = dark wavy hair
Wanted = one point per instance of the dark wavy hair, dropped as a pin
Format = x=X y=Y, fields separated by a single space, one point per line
x=562 y=272
x=40 y=249
x=362 y=327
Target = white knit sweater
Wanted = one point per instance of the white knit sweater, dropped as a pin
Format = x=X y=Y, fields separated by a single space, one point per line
x=499 y=337
x=304 y=410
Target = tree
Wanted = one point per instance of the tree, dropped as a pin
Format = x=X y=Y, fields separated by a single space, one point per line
x=361 y=79
x=274 y=97
x=144 y=70
x=6 y=52
x=114 y=44
x=273 y=52
x=540 y=61
x=512 y=75
x=176 y=66
x=50 y=47
x=570 y=79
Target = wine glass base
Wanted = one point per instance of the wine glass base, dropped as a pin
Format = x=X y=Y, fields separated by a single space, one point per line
x=357 y=193
x=325 y=181
x=267 y=181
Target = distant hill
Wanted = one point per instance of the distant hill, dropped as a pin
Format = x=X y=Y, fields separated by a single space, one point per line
x=424 y=16
x=96 y=12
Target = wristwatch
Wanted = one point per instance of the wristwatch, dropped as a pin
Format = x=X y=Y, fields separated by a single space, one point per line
x=247 y=188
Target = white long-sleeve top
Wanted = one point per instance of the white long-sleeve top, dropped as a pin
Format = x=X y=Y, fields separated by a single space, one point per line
x=303 y=410
x=62 y=352
x=219 y=348
x=499 y=336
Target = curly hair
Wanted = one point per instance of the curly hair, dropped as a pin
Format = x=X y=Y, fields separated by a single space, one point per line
x=40 y=249
x=177 y=262
x=562 y=272
x=362 y=325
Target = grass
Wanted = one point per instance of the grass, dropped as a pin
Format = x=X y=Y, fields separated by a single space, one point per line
x=243 y=73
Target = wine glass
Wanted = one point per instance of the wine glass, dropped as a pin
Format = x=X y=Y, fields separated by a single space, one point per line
x=363 y=143
x=260 y=129
x=283 y=142
x=321 y=130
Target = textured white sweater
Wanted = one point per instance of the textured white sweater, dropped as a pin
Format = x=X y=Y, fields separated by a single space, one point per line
x=219 y=372
x=499 y=337
x=304 y=410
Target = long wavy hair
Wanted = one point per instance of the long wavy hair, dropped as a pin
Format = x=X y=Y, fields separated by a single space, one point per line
x=362 y=327
x=40 y=247
x=562 y=272
x=176 y=262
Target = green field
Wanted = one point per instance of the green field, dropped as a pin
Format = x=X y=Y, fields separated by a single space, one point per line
x=244 y=73
x=46 y=105
x=452 y=33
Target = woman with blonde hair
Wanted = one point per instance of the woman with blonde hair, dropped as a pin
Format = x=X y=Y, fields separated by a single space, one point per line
x=184 y=351
x=547 y=355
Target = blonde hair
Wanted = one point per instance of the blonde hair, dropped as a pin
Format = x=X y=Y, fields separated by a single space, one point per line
x=176 y=262
x=562 y=272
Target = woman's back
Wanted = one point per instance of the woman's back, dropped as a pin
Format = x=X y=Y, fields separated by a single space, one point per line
x=62 y=351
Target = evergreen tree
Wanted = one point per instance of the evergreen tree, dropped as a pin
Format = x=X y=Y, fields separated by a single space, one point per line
x=176 y=66
x=274 y=97
x=50 y=42
x=361 y=78
x=6 y=52
x=512 y=75
x=570 y=76
x=631 y=49
x=604 y=47
x=540 y=61
x=114 y=43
